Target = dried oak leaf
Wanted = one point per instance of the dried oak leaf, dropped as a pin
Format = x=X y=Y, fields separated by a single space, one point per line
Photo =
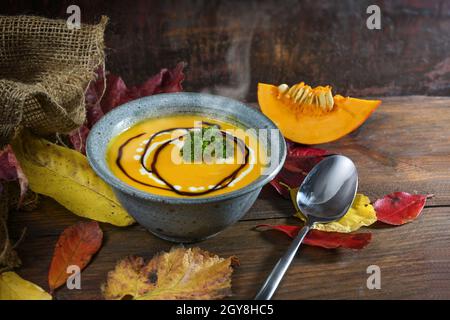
x=76 y=246
x=299 y=161
x=399 y=207
x=178 y=274
x=100 y=99
x=327 y=240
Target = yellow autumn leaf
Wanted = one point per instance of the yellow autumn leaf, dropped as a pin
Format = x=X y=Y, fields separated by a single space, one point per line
x=66 y=176
x=13 y=287
x=178 y=274
x=360 y=214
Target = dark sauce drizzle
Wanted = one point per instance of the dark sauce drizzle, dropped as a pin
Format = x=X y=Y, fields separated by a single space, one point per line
x=153 y=169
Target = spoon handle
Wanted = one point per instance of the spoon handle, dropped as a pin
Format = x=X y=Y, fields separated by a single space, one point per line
x=280 y=268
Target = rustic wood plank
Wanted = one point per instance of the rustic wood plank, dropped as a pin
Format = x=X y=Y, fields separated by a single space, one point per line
x=413 y=258
x=231 y=45
x=403 y=146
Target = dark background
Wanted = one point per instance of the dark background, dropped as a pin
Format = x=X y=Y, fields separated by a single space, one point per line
x=230 y=46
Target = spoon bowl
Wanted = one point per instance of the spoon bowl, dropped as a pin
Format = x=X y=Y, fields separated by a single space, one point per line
x=325 y=195
x=328 y=190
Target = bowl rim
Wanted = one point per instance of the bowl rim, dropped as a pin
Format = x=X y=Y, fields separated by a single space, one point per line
x=109 y=178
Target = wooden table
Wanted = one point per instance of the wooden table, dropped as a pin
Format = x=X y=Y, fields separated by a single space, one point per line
x=404 y=146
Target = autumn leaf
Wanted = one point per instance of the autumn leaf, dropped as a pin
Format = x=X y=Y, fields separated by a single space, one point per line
x=360 y=214
x=13 y=287
x=327 y=240
x=179 y=274
x=76 y=246
x=66 y=176
x=399 y=207
x=100 y=99
x=299 y=162
x=10 y=170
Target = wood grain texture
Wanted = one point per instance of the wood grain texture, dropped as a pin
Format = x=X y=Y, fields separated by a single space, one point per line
x=404 y=146
x=231 y=45
x=413 y=258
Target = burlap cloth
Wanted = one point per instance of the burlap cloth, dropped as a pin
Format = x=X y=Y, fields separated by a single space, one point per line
x=44 y=70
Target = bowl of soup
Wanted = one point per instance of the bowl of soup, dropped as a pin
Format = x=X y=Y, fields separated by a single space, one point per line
x=186 y=165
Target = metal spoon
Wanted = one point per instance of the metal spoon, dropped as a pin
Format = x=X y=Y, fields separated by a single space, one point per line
x=325 y=195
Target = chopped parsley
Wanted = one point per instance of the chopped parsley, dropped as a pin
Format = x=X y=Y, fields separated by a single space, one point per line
x=207 y=143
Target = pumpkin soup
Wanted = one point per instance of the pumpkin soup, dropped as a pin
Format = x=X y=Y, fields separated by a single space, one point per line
x=186 y=156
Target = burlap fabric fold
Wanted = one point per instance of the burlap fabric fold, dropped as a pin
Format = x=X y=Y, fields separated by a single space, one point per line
x=45 y=68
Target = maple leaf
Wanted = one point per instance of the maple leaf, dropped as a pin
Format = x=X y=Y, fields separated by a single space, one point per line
x=178 y=274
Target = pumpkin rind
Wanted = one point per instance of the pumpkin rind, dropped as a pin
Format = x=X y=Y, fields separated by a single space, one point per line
x=307 y=127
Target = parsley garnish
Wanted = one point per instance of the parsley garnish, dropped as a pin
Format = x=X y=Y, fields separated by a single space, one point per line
x=203 y=144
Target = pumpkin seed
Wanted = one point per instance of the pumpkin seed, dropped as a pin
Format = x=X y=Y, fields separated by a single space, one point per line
x=282 y=88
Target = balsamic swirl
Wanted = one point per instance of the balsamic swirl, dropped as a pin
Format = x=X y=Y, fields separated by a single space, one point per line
x=223 y=183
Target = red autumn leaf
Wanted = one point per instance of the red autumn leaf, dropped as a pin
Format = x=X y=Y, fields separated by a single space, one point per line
x=399 y=207
x=332 y=240
x=328 y=240
x=76 y=245
x=100 y=100
x=78 y=138
x=10 y=170
x=166 y=81
x=299 y=161
x=116 y=93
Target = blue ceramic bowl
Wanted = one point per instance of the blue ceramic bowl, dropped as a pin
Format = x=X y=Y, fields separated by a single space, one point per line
x=183 y=219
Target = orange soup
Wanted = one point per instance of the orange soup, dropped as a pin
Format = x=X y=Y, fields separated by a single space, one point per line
x=186 y=156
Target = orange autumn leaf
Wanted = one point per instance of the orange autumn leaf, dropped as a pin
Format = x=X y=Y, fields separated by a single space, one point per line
x=178 y=274
x=76 y=245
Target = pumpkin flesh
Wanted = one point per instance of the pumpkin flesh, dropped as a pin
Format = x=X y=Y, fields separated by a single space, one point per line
x=309 y=125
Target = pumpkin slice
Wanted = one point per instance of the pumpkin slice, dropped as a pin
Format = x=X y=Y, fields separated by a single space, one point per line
x=312 y=115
